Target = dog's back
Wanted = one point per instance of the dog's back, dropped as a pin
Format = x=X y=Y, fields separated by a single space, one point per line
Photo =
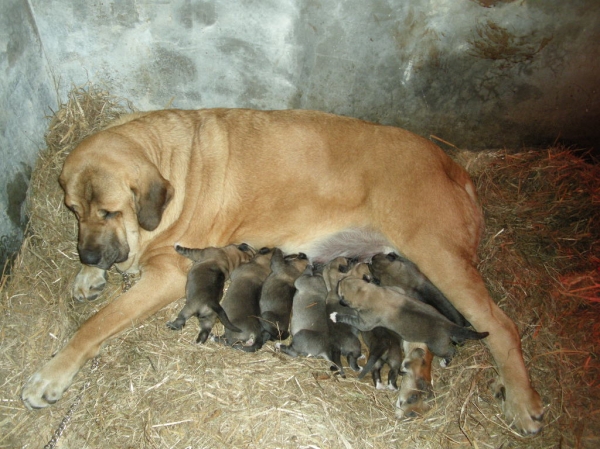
x=309 y=327
x=278 y=293
x=394 y=270
x=241 y=302
x=343 y=337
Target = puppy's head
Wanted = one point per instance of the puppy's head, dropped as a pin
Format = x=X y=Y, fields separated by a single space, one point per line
x=353 y=292
x=115 y=193
x=393 y=269
x=336 y=270
x=238 y=254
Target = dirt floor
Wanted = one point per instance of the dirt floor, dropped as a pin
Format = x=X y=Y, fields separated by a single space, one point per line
x=155 y=388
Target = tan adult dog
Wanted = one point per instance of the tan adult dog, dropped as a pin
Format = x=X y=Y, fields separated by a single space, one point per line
x=297 y=180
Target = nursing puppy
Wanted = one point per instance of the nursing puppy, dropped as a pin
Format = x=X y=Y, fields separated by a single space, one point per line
x=205 y=283
x=241 y=303
x=391 y=270
x=278 y=292
x=384 y=347
x=394 y=270
x=414 y=321
x=343 y=337
x=309 y=326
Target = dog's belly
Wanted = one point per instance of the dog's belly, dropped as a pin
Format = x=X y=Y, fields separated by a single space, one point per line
x=362 y=243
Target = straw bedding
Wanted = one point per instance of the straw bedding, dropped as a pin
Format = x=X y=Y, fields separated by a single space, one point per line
x=155 y=388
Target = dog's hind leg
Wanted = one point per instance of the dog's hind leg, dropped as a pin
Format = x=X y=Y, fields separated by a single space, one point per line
x=189 y=309
x=456 y=276
x=207 y=322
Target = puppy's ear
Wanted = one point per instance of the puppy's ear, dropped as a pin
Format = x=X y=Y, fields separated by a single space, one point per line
x=152 y=195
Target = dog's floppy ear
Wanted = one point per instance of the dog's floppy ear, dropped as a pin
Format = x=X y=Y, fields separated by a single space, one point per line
x=152 y=194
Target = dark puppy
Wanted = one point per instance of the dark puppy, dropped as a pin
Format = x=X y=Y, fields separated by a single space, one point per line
x=394 y=270
x=343 y=337
x=205 y=282
x=414 y=321
x=309 y=327
x=278 y=294
x=241 y=303
x=384 y=346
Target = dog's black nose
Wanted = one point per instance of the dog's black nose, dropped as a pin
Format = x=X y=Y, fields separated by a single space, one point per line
x=88 y=257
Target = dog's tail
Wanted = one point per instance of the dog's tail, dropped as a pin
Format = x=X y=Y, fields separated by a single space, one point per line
x=224 y=318
x=249 y=348
x=460 y=334
x=371 y=361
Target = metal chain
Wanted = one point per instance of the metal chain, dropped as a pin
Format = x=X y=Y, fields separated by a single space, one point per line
x=67 y=418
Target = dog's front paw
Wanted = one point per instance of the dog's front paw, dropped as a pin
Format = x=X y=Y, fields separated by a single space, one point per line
x=523 y=410
x=89 y=283
x=333 y=316
x=47 y=385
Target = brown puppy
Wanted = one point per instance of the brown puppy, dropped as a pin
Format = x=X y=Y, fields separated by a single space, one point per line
x=153 y=179
x=309 y=325
x=205 y=283
x=412 y=320
x=278 y=292
x=343 y=337
x=394 y=270
x=241 y=303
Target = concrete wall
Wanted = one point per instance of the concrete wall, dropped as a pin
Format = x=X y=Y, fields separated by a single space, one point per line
x=476 y=73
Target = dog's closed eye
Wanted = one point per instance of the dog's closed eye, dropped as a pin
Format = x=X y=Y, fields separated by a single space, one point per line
x=107 y=215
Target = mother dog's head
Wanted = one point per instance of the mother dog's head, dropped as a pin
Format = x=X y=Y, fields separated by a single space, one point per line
x=115 y=191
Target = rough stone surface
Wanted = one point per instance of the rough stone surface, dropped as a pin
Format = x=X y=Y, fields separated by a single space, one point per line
x=475 y=73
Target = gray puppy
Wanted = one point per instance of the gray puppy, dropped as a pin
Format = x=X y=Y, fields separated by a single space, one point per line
x=412 y=320
x=343 y=337
x=384 y=347
x=241 y=303
x=309 y=327
x=394 y=270
x=278 y=294
x=205 y=282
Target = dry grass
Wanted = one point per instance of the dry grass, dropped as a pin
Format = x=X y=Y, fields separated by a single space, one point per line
x=155 y=388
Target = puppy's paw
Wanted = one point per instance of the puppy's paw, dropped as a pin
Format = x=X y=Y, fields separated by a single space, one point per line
x=444 y=363
x=333 y=316
x=413 y=397
x=175 y=325
x=88 y=283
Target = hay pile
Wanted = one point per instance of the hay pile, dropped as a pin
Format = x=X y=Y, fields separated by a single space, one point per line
x=155 y=388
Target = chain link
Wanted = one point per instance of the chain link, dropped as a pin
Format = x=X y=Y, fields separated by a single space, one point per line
x=127 y=282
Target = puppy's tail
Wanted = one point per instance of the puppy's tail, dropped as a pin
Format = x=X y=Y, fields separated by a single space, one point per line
x=190 y=253
x=460 y=334
x=271 y=325
x=371 y=361
x=225 y=319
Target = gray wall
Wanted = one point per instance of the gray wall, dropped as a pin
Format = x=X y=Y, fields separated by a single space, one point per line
x=476 y=73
